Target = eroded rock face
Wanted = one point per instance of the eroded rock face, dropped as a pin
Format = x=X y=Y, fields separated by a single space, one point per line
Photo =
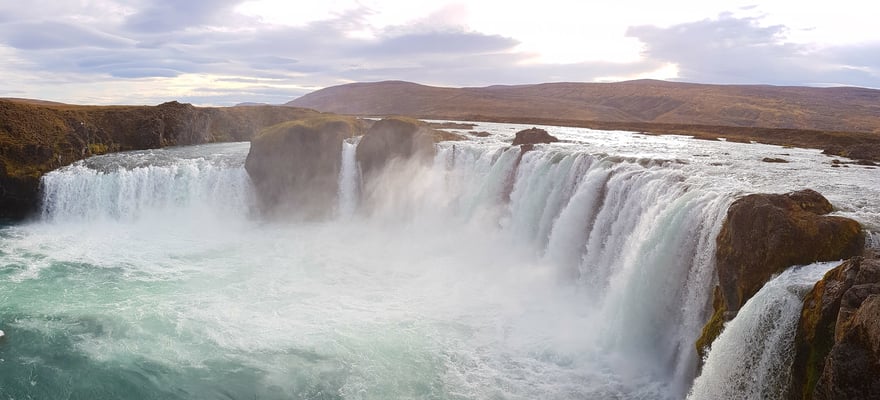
x=295 y=165
x=837 y=346
x=393 y=138
x=766 y=233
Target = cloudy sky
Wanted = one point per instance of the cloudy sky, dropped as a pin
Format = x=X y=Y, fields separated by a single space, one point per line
x=222 y=52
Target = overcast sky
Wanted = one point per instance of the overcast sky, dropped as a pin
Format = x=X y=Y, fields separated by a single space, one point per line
x=222 y=52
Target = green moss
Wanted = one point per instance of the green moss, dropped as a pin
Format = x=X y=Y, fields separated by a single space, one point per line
x=97 y=148
x=321 y=122
x=711 y=331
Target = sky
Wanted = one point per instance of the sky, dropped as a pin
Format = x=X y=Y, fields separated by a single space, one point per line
x=224 y=52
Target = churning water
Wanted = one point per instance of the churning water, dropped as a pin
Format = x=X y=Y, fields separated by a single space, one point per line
x=578 y=270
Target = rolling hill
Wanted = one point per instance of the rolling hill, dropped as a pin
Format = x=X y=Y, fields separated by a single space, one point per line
x=838 y=109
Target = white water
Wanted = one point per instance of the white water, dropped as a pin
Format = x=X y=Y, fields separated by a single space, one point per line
x=752 y=357
x=349 y=179
x=566 y=274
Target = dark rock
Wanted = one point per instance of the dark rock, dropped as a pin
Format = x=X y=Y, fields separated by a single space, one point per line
x=394 y=139
x=295 y=165
x=764 y=234
x=480 y=133
x=774 y=160
x=533 y=136
x=449 y=125
x=859 y=151
x=837 y=345
x=18 y=195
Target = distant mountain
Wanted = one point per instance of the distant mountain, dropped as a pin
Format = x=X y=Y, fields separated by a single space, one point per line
x=838 y=109
x=32 y=101
x=251 y=104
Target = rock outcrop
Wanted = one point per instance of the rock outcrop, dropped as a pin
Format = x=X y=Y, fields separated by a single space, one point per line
x=837 y=346
x=295 y=165
x=394 y=138
x=764 y=234
x=528 y=138
x=37 y=138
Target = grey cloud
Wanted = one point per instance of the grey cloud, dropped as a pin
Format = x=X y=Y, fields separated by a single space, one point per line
x=859 y=56
x=441 y=43
x=740 y=50
x=175 y=15
x=56 y=35
x=139 y=72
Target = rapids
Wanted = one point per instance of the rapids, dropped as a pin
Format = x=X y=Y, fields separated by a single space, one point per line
x=578 y=270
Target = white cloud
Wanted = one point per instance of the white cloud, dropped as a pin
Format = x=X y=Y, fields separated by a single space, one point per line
x=210 y=51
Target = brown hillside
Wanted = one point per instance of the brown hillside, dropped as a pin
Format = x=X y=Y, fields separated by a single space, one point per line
x=843 y=121
x=845 y=109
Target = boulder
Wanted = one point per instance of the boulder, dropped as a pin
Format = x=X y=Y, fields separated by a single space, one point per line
x=774 y=160
x=766 y=233
x=294 y=166
x=528 y=138
x=394 y=138
x=763 y=235
x=837 y=345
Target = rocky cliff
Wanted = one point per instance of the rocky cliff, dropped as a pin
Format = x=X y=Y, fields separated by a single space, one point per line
x=295 y=165
x=37 y=138
x=763 y=234
x=837 y=346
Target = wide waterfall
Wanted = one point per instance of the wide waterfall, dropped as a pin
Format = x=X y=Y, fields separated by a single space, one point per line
x=577 y=270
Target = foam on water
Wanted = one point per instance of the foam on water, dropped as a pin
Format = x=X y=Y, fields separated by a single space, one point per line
x=558 y=273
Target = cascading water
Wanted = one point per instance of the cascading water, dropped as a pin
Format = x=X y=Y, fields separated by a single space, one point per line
x=349 y=179
x=133 y=185
x=556 y=273
x=751 y=359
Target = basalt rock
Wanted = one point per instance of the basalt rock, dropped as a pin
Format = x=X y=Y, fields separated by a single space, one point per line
x=394 y=139
x=837 y=345
x=528 y=138
x=766 y=233
x=295 y=165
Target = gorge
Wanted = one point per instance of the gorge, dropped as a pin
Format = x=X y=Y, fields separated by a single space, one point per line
x=462 y=269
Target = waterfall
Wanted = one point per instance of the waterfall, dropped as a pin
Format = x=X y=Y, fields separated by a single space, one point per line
x=632 y=232
x=629 y=236
x=349 y=179
x=131 y=186
x=751 y=359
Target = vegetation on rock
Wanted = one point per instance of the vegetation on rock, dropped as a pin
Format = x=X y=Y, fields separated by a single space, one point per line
x=837 y=345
